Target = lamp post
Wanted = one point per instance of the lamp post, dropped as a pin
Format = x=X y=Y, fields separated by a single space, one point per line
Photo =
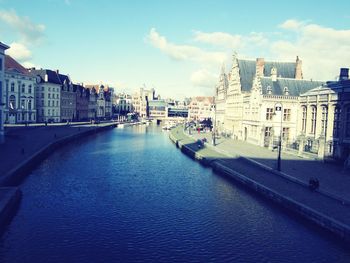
x=214 y=125
x=279 y=107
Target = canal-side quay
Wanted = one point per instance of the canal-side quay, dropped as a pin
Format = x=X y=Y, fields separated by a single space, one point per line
x=25 y=147
x=328 y=209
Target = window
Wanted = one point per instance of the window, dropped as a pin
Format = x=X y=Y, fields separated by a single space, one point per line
x=313 y=119
x=30 y=89
x=324 y=120
x=268 y=131
x=42 y=95
x=22 y=104
x=336 y=125
x=49 y=89
x=49 y=112
x=303 y=119
x=347 y=122
x=269 y=113
x=269 y=90
x=12 y=86
x=42 y=102
x=286 y=114
x=29 y=104
x=12 y=102
x=48 y=103
x=49 y=96
x=285 y=91
x=285 y=133
x=23 y=88
x=42 y=88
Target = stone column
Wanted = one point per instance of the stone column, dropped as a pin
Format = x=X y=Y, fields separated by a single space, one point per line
x=301 y=145
x=321 y=147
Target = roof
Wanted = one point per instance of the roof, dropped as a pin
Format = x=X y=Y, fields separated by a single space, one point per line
x=3 y=46
x=247 y=70
x=12 y=65
x=295 y=86
x=157 y=103
x=52 y=75
x=203 y=98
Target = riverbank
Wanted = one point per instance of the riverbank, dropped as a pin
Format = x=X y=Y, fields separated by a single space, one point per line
x=327 y=212
x=25 y=148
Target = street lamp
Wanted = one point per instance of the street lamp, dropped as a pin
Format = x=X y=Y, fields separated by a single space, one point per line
x=214 y=126
x=279 y=107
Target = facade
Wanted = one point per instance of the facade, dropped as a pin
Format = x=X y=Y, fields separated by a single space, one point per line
x=108 y=94
x=19 y=93
x=157 y=109
x=324 y=114
x=68 y=98
x=92 y=103
x=3 y=47
x=101 y=104
x=140 y=101
x=262 y=101
x=200 y=108
x=47 y=95
x=220 y=100
x=82 y=98
x=123 y=104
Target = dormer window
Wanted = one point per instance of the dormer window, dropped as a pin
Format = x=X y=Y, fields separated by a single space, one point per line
x=285 y=91
x=269 y=90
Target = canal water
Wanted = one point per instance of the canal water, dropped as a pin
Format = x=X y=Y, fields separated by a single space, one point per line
x=128 y=195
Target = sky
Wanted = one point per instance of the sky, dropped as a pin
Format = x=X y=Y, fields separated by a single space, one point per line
x=176 y=47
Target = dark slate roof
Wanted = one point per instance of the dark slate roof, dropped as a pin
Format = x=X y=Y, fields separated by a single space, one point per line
x=295 y=86
x=63 y=78
x=247 y=69
x=52 y=75
x=12 y=65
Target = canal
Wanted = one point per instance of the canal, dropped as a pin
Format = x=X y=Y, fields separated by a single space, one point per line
x=128 y=195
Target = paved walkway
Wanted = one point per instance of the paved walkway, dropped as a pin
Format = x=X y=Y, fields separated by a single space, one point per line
x=228 y=153
x=333 y=178
x=22 y=142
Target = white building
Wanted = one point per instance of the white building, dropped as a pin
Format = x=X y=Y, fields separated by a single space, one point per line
x=123 y=103
x=19 y=95
x=140 y=101
x=48 y=95
x=3 y=47
x=200 y=108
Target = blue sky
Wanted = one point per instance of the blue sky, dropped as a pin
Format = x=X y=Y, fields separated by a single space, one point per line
x=177 y=47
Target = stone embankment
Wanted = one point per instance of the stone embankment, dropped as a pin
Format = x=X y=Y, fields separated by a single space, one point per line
x=327 y=212
x=25 y=148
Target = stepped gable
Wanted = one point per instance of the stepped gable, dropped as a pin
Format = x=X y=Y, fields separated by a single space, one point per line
x=295 y=86
x=12 y=65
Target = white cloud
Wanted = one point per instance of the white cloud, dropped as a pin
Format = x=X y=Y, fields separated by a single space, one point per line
x=323 y=50
x=203 y=78
x=184 y=52
x=28 y=31
x=219 y=39
x=19 y=52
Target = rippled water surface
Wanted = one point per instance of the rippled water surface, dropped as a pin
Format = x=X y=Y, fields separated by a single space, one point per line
x=128 y=195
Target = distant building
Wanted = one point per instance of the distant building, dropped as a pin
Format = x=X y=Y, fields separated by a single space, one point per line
x=19 y=93
x=3 y=47
x=140 y=101
x=200 y=108
x=123 y=103
x=83 y=97
x=48 y=95
x=68 y=98
x=92 y=104
x=157 y=109
x=324 y=119
x=220 y=100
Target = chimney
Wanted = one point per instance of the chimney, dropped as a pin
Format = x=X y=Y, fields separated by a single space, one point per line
x=260 y=63
x=57 y=71
x=46 y=77
x=298 y=70
x=344 y=74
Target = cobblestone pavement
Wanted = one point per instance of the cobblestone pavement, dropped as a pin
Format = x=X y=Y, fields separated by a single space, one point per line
x=332 y=177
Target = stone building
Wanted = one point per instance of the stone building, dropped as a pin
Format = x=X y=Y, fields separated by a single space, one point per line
x=19 y=93
x=3 y=47
x=123 y=103
x=200 y=108
x=157 y=109
x=47 y=95
x=220 y=100
x=92 y=103
x=140 y=101
x=68 y=98
x=262 y=100
x=82 y=98
x=324 y=119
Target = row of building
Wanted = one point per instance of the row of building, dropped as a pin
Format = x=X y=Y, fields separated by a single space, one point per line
x=263 y=102
x=43 y=95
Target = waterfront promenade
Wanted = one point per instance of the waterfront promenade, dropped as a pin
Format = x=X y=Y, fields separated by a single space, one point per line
x=254 y=167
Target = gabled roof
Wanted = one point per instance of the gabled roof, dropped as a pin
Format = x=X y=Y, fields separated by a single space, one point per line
x=12 y=65
x=295 y=86
x=247 y=69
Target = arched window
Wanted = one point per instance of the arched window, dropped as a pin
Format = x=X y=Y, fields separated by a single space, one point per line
x=336 y=124
x=313 y=119
x=324 y=120
x=303 y=119
x=12 y=102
